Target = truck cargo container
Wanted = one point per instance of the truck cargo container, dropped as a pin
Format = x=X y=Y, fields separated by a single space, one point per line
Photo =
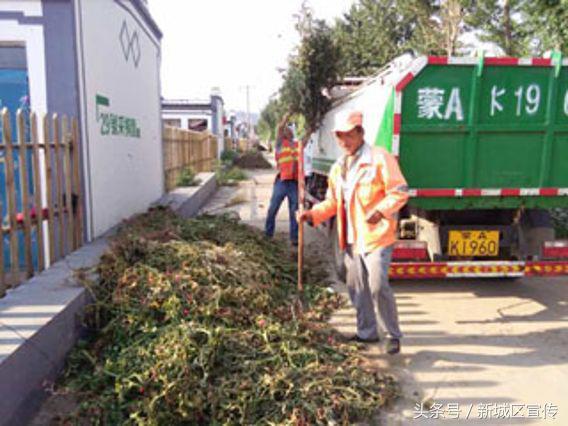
x=483 y=143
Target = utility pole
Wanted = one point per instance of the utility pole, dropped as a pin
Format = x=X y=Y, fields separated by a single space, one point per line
x=248 y=112
x=248 y=119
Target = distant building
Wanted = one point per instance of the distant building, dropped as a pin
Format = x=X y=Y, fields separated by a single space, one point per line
x=198 y=115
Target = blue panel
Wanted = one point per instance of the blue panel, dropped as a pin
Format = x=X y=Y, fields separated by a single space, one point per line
x=14 y=95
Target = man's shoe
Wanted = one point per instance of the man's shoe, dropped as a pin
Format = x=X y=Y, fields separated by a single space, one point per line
x=393 y=346
x=356 y=338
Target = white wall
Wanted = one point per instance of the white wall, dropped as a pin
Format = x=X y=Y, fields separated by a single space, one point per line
x=123 y=174
x=371 y=100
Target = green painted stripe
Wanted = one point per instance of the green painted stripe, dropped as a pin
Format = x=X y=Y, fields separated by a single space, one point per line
x=103 y=100
x=385 y=132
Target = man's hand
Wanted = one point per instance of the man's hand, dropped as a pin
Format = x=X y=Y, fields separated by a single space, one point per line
x=375 y=217
x=305 y=216
x=284 y=120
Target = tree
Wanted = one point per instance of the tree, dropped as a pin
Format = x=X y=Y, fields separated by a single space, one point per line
x=501 y=22
x=368 y=36
x=313 y=68
x=452 y=13
x=422 y=19
x=546 y=24
x=269 y=118
x=374 y=32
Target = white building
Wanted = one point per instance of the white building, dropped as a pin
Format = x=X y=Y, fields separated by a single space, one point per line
x=197 y=114
x=98 y=60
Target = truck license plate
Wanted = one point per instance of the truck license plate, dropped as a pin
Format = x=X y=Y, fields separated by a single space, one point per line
x=473 y=243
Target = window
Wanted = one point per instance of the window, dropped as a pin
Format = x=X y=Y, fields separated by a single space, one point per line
x=197 y=124
x=172 y=122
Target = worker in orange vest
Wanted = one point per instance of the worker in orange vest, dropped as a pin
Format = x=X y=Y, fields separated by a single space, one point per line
x=366 y=190
x=286 y=182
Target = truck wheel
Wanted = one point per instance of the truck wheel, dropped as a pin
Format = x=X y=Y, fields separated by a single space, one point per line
x=338 y=255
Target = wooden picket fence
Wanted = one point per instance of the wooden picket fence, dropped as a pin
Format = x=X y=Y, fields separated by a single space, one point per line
x=186 y=148
x=243 y=145
x=228 y=144
x=49 y=198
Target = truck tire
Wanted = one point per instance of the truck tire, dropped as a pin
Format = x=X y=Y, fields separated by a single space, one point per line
x=338 y=254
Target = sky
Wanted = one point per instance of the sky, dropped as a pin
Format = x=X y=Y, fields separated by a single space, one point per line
x=230 y=44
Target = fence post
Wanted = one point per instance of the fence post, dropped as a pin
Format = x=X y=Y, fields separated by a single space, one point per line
x=49 y=188
x=77 y=189
x=68 y=176
x=38 y=207
x=24 y=186
x=59 y=185
x=11 y=195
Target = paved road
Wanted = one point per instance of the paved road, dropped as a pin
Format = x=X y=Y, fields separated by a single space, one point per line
x=475 y=348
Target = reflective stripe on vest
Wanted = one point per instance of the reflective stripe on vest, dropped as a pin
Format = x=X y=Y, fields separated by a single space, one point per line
x=287 y=160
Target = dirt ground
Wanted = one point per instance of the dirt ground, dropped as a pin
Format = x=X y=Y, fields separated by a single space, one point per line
x=474 y=352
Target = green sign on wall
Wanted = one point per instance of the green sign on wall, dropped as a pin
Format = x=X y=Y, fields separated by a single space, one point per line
x=115 y=124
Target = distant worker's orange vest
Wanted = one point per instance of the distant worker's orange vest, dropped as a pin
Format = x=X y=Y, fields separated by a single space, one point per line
x=287 y=160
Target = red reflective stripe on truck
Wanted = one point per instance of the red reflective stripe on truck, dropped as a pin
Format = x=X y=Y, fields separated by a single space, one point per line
x=555 y=249
x=546 y=268
x=437 y=60
x=548 y=192
x=410 y=250
x=396 y=125
x=436 y=193
x=541 y=62
x=481 y=269
x=471 y=192
x=501 y=61
x=402 y=83
x=409 y=253
x=511 y=192
x=417 y=270
x=488 y=192
x=444 y=60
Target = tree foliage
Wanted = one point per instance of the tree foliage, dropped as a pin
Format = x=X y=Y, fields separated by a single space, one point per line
x=313 y=68
x=546 y=24
x=368 y=36
x=503 y=23
x=269 y=118
x=373 y=32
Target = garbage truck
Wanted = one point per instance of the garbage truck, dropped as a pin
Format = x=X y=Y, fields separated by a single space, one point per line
x=483 y=144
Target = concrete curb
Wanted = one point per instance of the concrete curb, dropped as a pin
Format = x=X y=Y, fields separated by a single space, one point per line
x=40 y=321
x=188 y=200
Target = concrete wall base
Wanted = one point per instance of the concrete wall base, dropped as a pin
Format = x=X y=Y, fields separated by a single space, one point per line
x=188 y=200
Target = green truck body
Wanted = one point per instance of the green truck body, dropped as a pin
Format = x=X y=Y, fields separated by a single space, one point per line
x=483 y=144
x=489 y=124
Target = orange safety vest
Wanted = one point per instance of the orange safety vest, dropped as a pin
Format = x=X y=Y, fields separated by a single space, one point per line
x=287 y=160
x=380 y=186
